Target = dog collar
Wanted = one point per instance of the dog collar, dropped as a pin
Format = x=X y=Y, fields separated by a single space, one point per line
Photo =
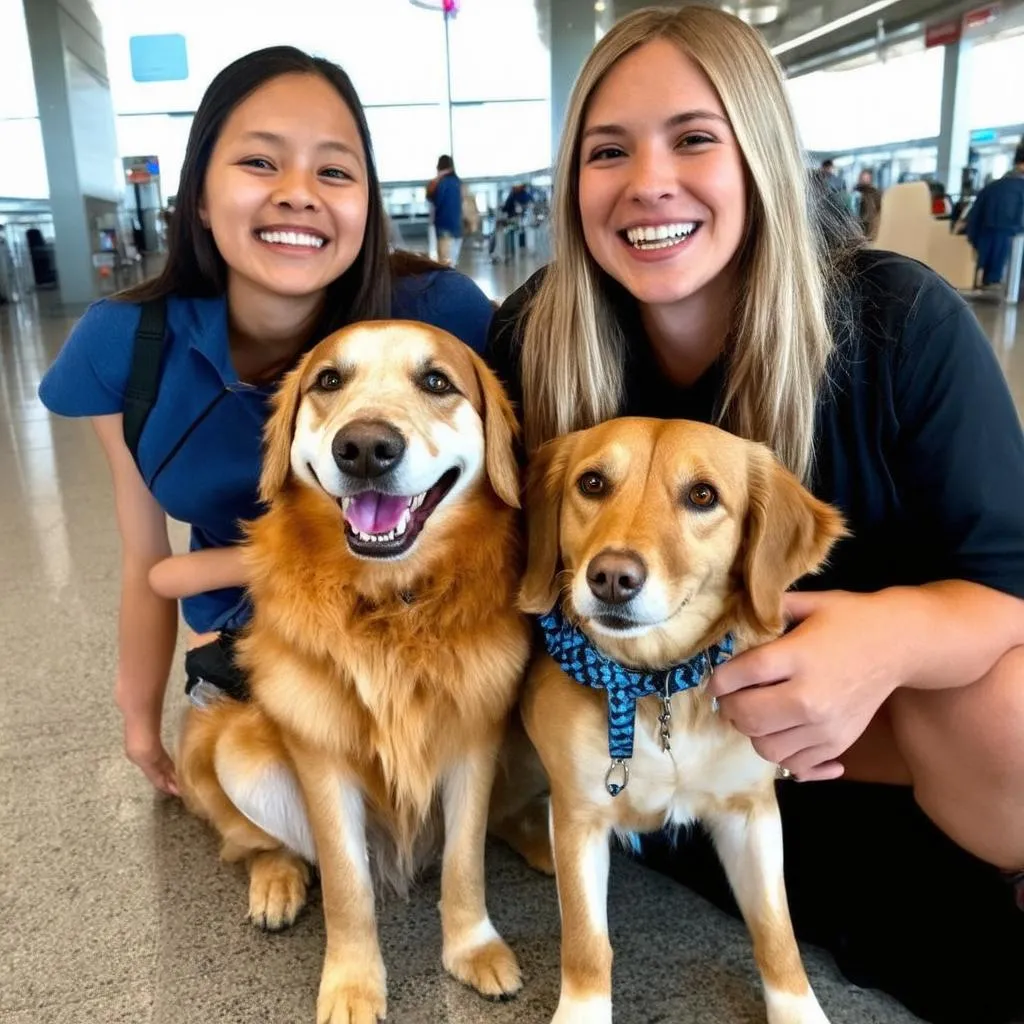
x=582 y=662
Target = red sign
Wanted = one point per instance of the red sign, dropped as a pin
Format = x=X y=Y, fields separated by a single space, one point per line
x=943 y=34
x=981 y=16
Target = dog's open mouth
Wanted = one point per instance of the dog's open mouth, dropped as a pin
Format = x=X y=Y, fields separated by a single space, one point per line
x=381 y=525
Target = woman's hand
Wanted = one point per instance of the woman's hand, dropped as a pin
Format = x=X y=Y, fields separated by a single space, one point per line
x=142 y=743
x=805 y=698
x=146 y=750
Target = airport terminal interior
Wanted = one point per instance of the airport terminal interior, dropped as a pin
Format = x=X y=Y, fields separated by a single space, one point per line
x=115 y=906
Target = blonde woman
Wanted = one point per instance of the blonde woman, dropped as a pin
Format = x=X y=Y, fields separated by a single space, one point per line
x=699 y=273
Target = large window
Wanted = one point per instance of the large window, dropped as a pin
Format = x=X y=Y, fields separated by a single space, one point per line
x=408 y=140
x=393 y=51
x=23 y=176
x=497 y=52
x=884 y=101
x=23 y=166
x=502 y=138
x=160 y=135
x=18 y=95
x=996 y=94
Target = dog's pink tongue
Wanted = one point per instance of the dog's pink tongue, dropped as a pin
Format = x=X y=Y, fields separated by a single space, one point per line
x=371 y=512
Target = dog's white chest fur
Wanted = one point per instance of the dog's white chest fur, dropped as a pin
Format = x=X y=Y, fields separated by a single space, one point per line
x=704 y=766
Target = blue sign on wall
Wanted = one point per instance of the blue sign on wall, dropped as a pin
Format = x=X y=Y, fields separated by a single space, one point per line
x=159 y=58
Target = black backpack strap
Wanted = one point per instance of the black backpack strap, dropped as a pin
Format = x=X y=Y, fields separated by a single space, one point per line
x=144 y=376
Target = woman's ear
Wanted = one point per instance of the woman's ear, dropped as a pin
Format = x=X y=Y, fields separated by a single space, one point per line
x=545 y=481
x=277 y=434
x=789 y=534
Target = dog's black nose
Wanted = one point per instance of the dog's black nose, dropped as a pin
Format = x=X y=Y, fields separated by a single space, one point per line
x=616 y=576
x=367 y=448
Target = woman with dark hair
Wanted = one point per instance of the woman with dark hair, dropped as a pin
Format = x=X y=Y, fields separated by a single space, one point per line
x=279 y=237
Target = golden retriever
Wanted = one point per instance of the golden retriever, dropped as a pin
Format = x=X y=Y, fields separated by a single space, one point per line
x=384 y=655
x=649 y=543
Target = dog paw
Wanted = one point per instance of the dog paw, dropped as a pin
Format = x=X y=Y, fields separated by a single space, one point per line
x=277 y=889
x=594 y=1010
x=544 y=862
x=527 y=833
x=351 y=1004
x=491 y=968
x=787 y=1008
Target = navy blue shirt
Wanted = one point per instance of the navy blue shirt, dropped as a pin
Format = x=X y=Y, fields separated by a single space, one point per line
x=200 y=452
x=998 y=208
x=918 y=442
x=447 y=202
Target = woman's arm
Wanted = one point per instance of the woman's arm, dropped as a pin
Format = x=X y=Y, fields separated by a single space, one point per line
x=148 y=623
x=956 y=458
x=197 y=572
x=954 y=631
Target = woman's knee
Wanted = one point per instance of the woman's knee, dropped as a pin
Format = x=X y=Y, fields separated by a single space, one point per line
x=974 y=730
x=965 y=757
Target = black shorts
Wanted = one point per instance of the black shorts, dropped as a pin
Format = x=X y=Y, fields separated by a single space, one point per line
x=212 y=673
x=897 y=903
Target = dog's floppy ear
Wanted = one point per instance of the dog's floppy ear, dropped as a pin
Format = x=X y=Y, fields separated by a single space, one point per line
x=501 y=431
x=789 y=534
x=545 y=481
x=277 y=435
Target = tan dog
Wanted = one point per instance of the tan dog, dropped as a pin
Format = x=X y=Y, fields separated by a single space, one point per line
x=384 y=655
x=657 y=539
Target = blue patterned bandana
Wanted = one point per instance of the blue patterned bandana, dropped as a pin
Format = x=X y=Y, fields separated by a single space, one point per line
x=582 y=662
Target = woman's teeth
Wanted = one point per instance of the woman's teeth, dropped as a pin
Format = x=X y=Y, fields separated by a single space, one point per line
x=659 y=237
x=291 y=238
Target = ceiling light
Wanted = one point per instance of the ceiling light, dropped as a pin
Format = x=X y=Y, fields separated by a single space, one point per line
x=832 y=26
x=759 y=14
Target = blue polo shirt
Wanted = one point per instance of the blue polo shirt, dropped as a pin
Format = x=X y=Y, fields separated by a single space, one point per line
x=200 y=452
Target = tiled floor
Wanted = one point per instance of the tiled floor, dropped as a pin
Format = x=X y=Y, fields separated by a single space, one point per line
x=114 y=905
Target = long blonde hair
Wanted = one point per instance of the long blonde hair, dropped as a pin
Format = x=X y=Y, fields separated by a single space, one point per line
x=573 y=349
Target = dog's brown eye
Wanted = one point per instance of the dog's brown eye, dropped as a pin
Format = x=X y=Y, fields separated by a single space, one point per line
x=436 y=383
x=702 y=496
x=591 y=484
x=328 y=380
